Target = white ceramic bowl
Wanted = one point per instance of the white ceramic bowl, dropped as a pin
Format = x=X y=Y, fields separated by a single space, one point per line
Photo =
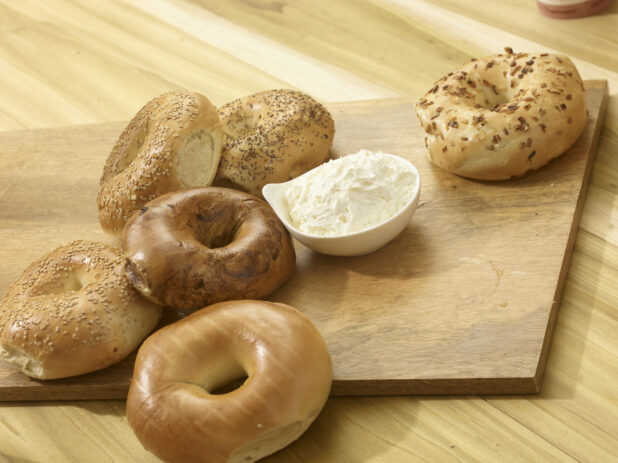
x=352 y=244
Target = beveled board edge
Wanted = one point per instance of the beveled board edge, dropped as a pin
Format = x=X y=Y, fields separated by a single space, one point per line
x=464 y=386
x=72 y=392
x=579 y=208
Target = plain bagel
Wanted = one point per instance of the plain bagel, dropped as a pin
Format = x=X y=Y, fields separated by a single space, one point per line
x=192 y=248
x=174 y=142
x=73 y=311
x=173 y=405
x=504 y=115
x=272 y=137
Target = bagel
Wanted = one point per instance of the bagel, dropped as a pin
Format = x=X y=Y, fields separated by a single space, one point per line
x=272 y=137
x=504 y=115
x=174 y=142
x=173 y=405
x=73 y=311
x=192 y=248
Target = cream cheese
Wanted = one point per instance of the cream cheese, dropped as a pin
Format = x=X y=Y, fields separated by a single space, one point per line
x=350 y=194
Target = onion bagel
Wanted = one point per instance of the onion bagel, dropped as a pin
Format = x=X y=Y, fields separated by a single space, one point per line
x=173 y=405
x=73 y=311
x=192 y=248
x=504 y=115
x=272 y=137
x=174 y=142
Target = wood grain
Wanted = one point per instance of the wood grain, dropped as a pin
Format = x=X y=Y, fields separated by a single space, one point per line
x=77 y=61
x=455 y=312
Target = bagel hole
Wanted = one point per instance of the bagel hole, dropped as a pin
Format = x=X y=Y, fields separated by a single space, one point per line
x=65 y=283
x=129 y=157
x=242 y=122
x=225 y=377
x=229 y=387
x=491 y=100
x=490 y=97
x=216 y=229
x=217 y=241
x=135 y=145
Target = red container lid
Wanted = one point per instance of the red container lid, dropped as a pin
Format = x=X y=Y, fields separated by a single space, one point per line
x=568 y=9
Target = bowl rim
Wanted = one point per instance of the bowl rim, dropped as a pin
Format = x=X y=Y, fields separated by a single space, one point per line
x=413 y=198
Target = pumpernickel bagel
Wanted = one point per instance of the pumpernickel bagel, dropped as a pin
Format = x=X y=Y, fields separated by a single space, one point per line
x=192 y=248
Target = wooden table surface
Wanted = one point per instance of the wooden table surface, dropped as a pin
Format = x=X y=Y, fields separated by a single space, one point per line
x=79 y=62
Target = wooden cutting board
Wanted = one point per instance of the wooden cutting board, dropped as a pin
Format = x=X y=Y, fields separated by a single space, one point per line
x=462 y=302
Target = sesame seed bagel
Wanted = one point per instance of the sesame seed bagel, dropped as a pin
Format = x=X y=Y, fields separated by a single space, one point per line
x=191 y=248
x=73 y=311
x=176 y=410
x=272 y=137
x=174 y=142
x=504 y=115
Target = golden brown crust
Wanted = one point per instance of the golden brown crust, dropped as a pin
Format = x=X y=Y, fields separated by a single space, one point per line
x=148 y=158
x=288 y=371
x=195 y=247
x=272 y=137
x=504 y=115
x=73 y=311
